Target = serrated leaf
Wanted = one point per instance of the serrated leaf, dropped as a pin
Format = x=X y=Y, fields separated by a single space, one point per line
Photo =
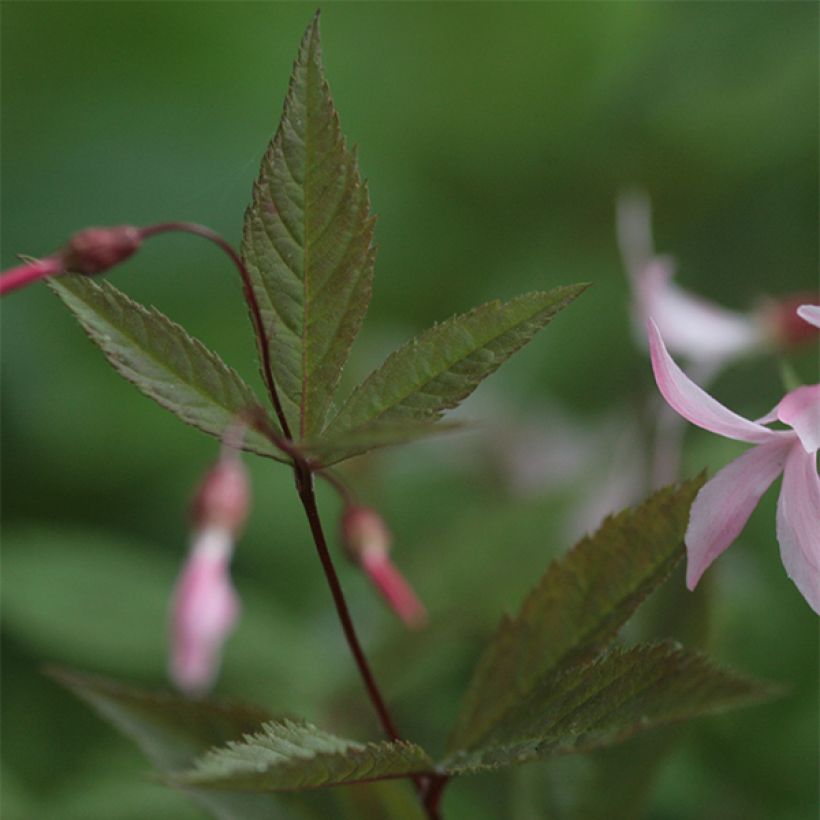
x=161 y=359
x=307 y=244
x=332 y=450
x=591 y=705
x=436 y=371
x=576 y=609
x=289 y=756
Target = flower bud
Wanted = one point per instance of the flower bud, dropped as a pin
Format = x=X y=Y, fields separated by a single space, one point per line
x=95 y=250
x=204 y=612
x=367 y=542
x=205 y=605
x=223 y=497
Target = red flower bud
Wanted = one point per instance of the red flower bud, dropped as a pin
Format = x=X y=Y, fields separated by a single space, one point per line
x=95 y=250
x=367 y=542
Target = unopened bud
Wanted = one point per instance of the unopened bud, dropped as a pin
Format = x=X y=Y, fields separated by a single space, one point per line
x=95 y=250
x=204 y=610
x=223 y=498
x=364 y=532
x=367 y=542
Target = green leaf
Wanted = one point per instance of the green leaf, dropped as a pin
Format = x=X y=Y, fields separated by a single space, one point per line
x=170 y=730
x=437 y=370
x=578 y=606
x=161 y=359
x=590 y=705
x=308 y=245
x=289 y=756
x=332 y=450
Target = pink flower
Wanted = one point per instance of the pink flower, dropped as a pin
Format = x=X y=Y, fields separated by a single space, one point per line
x=723 y=506
x=367 y=541
x=205 y=606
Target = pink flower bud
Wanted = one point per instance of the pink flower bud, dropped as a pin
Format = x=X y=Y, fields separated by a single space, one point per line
x=95 y=250
x=367 y=542
x=205 y=609
x=204 y=604
x=223 y=497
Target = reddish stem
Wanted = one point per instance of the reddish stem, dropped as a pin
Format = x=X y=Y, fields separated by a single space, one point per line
x=250 y=298
x=304 y=485
x=23 y=275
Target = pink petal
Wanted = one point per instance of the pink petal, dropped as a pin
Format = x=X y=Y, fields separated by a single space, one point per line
x=205 y=609
x=800 y=409
x=810 y=314
x=394 y=589
x=697 y=406
x=692 y=326
x=798 y=524
x=724 y=504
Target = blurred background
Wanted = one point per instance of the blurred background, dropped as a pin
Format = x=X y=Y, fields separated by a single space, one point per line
x=495 y=139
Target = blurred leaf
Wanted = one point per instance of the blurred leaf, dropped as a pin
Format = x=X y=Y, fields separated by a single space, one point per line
x=329 y=451
x=589 y=705
x=171 y=730
x=289 y=756
x=437 y=370
x=161 y=359
x=307 y=244
x=577 y=608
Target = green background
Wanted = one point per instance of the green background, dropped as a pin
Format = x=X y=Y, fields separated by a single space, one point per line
x=495 y=139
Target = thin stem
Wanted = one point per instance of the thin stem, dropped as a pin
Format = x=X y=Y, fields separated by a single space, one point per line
x=432 y=798
x=250 y=298
x=307 y=495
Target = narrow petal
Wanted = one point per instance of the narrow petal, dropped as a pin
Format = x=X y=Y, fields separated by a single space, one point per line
x=692 y=326
x=800 y=409
x=810 y=314
x=798 y=524
x=724 y=504
x=696 y=405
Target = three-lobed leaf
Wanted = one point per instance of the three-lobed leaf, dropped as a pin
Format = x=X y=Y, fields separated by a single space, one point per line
x=577 y=607
x=440 y=368
x=288 y=755
x=161 y=359
x=307 y=245
x=589 y=705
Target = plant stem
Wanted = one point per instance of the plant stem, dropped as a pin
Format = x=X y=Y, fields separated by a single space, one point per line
x=307 y=495
x=304 y=485
x=250 y=298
